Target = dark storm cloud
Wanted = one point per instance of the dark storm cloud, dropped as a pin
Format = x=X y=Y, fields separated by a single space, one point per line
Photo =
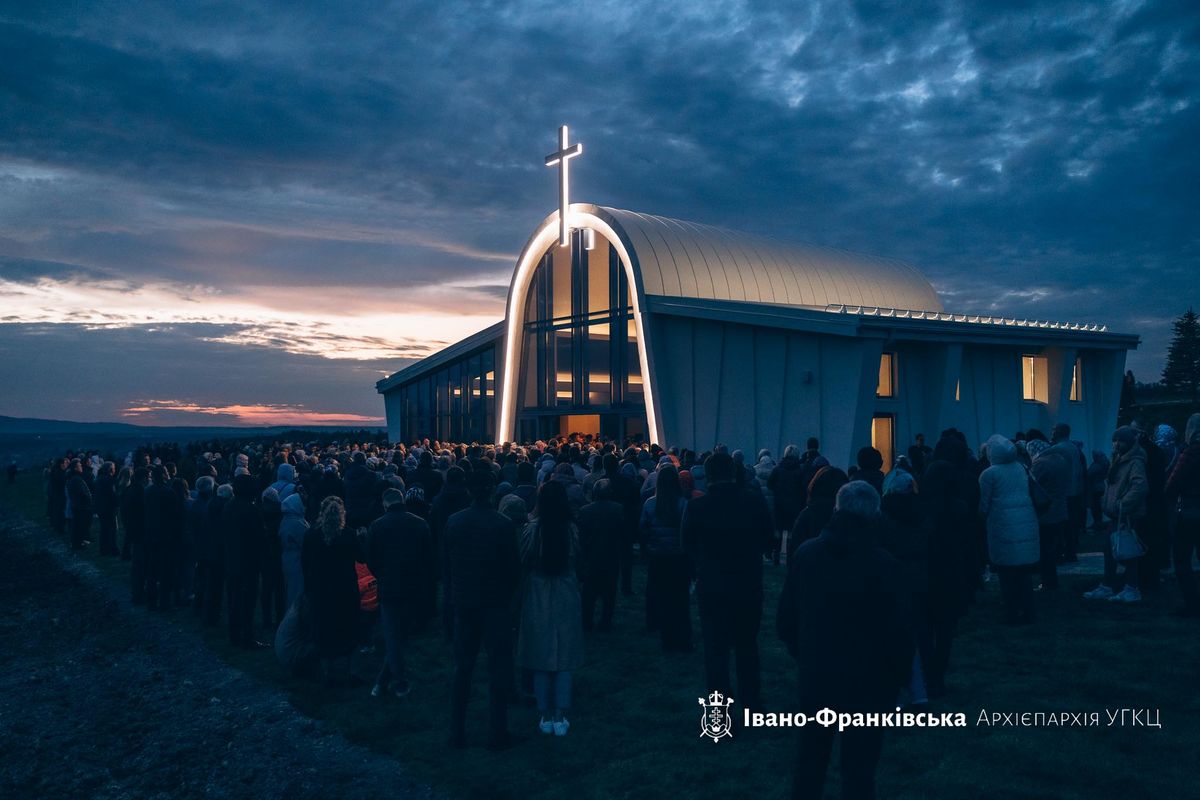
x=1035 y=159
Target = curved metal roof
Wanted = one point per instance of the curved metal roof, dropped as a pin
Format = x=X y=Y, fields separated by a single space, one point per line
x=686 y=259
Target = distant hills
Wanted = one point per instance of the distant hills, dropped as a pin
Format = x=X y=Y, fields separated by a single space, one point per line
x=27 y=425
x=32 y=441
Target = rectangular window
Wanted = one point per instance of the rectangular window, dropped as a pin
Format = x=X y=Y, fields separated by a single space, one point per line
x=886 y=387
x=563 y=375
x=1077 y=382
x=1034 y=373
x=599 y=365
x=597 y=276
x=883 y=439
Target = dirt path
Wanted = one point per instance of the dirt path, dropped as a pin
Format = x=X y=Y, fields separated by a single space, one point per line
x=102 y=700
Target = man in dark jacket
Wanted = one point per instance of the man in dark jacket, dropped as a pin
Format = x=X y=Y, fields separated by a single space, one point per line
x=105 y=496
x=453 y=498
x=601 y=538
x=79 y=501
x=243 y=548
x=482 y=573
x=133 y=518
x=197 y=529
x=399 y=549
x=164 y=530
x=788 y=485
x=726 y=531
x=56 y=494
x=844 y=617
x=526 y=486
x=363 y=487
x=211 y=553
x=625 y=492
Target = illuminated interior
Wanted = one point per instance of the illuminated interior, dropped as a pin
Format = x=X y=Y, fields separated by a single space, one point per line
x=1035 y=372
x=580 y=369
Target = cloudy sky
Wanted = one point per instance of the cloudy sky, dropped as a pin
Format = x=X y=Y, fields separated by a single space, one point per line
x=249 y=212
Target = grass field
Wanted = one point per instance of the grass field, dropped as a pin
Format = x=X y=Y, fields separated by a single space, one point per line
x=636 y=722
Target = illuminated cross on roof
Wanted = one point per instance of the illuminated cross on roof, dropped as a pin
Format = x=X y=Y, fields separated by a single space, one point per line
x=560 y=159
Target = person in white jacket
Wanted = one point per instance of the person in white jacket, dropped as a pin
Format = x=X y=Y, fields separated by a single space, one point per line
x=1012 y=528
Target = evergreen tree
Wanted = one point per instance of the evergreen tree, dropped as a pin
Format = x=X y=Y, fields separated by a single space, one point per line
x=1182 y=372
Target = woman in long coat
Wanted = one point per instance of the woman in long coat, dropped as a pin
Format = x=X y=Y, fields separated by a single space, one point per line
x=1012 y=527
x=331 y=585
x=293 y=529
x=550 y=643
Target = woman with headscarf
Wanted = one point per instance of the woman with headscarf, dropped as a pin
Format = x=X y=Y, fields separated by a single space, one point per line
x=668 y=577
x=1183 y=500
x=331 y=586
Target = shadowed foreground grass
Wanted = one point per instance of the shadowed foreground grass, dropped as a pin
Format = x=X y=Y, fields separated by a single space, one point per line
x=636 y=721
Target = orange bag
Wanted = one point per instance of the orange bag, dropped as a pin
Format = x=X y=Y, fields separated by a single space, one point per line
x=368 y=588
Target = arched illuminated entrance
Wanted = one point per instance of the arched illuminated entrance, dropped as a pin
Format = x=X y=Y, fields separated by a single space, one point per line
x=579 y=367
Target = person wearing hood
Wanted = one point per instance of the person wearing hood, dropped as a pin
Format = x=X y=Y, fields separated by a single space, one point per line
x=399 y=550
x=1012 y=527
x=243 y=529
x=197 y=528
x=1053 y=471
x=273 y=595
x=1183 y=500
x=1125 y=493
x=292 y=529
x=845 y=619
x=285 y=481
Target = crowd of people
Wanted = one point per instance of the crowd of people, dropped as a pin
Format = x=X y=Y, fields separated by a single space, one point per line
x=524 y=552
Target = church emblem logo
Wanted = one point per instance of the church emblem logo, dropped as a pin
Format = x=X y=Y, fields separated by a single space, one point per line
x=715 y=722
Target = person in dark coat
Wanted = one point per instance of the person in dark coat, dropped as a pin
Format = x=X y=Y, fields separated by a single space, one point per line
x=788 y=486
x=453 y=498
x=363 y=488
x=1182 y=495
x=602 y=533
x=669 y=569
x=211 y=551
x=165 y=520
x=482 y=571
x=819 y=509
x=133 y=520
x=844 y=617
x=1153 y=526
x=625 y=490
x=526 y=485
x=870 y=467
x=242 y=522
x=104 y=496
x=272 y=594
x=197 y=526
x=331 y=586
x=905 y=533
x=427 y=477
x=129 y=507
x=56 y=494
x=951 y=568
x=399 y=551
x=79 y=508
x=725 y=531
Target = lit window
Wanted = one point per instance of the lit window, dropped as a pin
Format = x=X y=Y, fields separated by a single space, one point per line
x=887 y=376
x=1077 y=382
x=1034 y=370
x=883 y=439
x=958 y=390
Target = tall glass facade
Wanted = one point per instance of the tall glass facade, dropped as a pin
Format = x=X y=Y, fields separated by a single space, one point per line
x=580 y=368
x=457 y=403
